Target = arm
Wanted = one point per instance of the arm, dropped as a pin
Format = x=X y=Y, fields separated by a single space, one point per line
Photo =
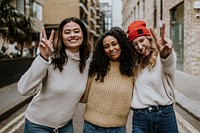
x=30 y=81
x=32 y=78
x=169 y=63
x=85 y=95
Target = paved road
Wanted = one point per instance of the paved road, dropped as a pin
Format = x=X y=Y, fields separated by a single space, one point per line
x=14 y=124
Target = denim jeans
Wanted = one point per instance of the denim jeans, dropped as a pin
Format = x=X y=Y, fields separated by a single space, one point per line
x=154 y=120
x=91 y=128
x=30 y=127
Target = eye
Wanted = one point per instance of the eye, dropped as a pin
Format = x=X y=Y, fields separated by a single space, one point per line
x=76 y=31
x=141 y=40
x=67 y=32
x=105 y=46
x=134 y=44
x=115 y=44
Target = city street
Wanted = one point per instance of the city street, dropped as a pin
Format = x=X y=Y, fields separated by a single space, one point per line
x=14 y=124
x=25 y=25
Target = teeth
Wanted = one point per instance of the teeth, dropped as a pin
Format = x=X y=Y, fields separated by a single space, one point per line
x=143 y=50
x=73 y=40
x=112 y=53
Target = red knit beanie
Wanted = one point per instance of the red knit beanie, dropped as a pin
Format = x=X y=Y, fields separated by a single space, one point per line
x=136 y=29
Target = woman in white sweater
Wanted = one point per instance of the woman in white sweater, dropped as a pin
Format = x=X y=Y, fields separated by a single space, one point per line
x=153 y=95
x=62 y=71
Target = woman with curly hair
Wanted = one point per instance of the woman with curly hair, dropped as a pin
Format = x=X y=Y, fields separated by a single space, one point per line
x=109 y=90
x=153 y=95
x=62 y=70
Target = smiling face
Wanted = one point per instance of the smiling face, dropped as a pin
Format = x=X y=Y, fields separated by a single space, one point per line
x=72 y=36
x=112 y=48
x=142 y=45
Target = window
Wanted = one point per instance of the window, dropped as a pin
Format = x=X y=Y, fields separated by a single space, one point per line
x=37 y=11
x=20 y=6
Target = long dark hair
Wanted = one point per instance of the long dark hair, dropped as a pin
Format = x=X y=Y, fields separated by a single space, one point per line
x=59 y=56
x=100 y=63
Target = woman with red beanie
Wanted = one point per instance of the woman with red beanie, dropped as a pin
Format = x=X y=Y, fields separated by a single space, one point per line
x=153 y=95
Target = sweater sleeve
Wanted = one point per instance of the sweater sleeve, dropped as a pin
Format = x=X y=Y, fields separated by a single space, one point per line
x=169 y=64
x=31 y=79
x=85 y=95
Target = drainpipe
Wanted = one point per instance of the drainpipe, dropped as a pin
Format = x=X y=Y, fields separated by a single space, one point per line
x=161 y=14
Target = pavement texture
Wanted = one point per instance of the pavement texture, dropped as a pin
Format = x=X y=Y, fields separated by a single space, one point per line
x=187 y=96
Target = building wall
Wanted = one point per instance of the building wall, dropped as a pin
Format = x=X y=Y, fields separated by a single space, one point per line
x=116 y=13
x=55 y=11
x=191 y=41
x=131 y=11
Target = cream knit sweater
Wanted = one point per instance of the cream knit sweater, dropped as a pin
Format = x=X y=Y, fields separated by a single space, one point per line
x=108 y=102
x=54 y=105
x=156 y=86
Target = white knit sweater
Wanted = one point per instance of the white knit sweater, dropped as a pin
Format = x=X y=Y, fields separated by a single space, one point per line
x=156 y=86
x=54 y=105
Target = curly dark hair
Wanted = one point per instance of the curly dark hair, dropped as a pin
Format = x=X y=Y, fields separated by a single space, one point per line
x=60 y=56
x=100 y=63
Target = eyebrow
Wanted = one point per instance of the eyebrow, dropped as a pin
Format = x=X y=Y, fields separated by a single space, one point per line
x=72 y=29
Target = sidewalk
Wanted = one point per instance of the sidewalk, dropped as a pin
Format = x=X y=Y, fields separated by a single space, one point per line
x=187 y=96
x=11 y=100
x=188 y=93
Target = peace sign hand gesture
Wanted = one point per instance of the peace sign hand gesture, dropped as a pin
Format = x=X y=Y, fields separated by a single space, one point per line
x=165 y=45
x=46 y=47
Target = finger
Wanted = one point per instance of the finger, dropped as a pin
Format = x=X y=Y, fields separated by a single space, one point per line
x=42 y=45
x=154 y=35
x=51 y=36
x=163 y=31
x=44 y=41
x=44 y=33
x=169 y=43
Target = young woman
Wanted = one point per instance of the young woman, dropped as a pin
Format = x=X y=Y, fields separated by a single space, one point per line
x=153 y=95
x=62 y=69
x=109 y=89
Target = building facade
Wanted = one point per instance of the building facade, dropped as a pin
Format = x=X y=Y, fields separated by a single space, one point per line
x=86 y=10
x=117 y=13
x=106 y=8
x=33 y=9
x=182 y=26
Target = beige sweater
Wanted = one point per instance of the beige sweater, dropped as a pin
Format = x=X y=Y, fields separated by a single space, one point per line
x=108 y=102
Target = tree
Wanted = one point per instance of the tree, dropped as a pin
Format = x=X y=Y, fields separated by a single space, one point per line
x=14 y=26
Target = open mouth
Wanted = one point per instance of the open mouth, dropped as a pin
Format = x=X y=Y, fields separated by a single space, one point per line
x=73 y=40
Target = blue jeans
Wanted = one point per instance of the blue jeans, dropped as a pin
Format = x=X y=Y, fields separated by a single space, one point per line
x=30 y=127
x=91 y=128
x=155 y=119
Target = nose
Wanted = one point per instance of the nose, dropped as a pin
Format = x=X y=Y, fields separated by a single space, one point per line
x=72 y=34
x=140 y=46
x=111 y=49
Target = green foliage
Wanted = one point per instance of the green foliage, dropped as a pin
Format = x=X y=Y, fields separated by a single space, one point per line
x=14 y=26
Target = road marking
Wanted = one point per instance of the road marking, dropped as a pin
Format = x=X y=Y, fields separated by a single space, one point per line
x=187 y=125
x=17 y=126
x=12 y=122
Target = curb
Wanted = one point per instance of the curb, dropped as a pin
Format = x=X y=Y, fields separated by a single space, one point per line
x=188 y=105
x=5 y=114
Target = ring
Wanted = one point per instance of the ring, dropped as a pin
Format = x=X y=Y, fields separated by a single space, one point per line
x=51 y=49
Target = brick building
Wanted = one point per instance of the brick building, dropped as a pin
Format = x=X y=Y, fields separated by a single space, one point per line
x=182 y=26
x=86 y=10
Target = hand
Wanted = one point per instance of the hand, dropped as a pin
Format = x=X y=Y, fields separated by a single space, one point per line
x=165 y=45
x=46 y=47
